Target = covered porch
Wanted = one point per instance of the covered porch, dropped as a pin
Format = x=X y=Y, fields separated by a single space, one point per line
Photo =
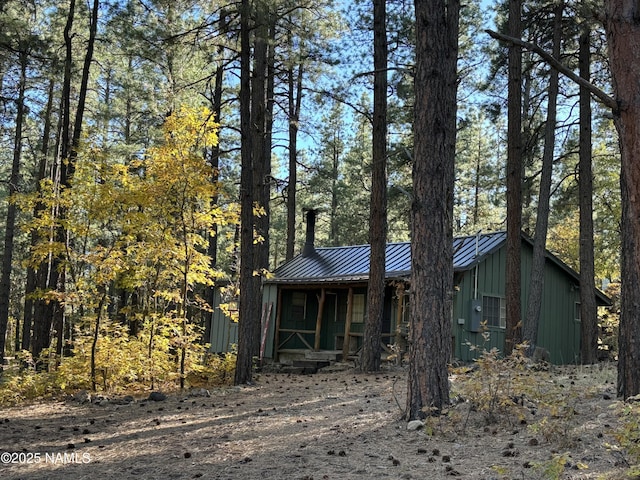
x=326 y=322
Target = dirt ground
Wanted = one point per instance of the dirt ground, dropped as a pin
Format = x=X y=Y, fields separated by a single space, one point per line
x=335 y=424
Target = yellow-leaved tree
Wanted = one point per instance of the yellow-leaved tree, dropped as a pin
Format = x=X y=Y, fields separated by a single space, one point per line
x=136 y=257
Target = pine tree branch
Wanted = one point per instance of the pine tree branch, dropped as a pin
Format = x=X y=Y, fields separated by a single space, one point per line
x=599 y=94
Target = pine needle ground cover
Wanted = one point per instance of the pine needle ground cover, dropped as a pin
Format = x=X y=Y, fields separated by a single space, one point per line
x=336 y=424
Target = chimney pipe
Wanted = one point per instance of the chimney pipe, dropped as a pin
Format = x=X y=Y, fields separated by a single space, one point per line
x=309 y=243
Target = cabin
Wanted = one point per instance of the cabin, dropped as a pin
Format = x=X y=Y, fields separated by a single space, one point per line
x=314 y=306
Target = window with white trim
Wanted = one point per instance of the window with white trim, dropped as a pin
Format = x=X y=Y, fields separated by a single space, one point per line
x=494 y=311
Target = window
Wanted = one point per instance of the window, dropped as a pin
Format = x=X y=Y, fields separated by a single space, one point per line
x=494 y=311
x=298 y=305
x=358 y=308
x=577 y=315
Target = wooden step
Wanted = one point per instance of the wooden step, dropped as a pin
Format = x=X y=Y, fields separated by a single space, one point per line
x=323 y=355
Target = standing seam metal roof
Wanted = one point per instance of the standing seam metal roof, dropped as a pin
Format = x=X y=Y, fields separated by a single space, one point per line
x=351 y=263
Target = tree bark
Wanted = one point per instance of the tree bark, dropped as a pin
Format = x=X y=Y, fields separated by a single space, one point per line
x=622 y=26
x=536 y=284
x=82 y=94
x=248 y=323
x=96 y=337
x=432 y=207
x=261 y=156
x=295 y=99
x=50 y=313
x=514 y=185
x=588 y=307
x=214 y=155
x=71 y=144
x=336 y=151
x=10 y=226
x=371 y=348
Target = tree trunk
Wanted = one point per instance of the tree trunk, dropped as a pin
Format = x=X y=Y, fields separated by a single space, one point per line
x=514 y=184
x=588 y=307
x=371 y=348
x=96 y=337
x=50 y=313
x=69 y=160
x=10 y=227
x=247 y=323
x=536 y=285
x=623 y=35
x=295 y=99
x=261 y=157
x=476 y=182
x=214 y=155
x=336 y=151
x=36 y=278
x=432 y=207
x=84 y=87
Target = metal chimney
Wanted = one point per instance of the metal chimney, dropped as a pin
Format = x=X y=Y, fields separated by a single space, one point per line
x=309 y=243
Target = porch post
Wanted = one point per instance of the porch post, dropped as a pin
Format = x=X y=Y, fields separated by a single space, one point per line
x=276 y=345
x=347 y=326
x=321 y=298
x=399 y=338
x=400 y=312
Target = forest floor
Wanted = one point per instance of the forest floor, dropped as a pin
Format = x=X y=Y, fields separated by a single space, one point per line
x=335 y=424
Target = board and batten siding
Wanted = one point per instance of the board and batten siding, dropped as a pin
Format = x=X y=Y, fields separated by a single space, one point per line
x=559 y=331
x=224 y=332
x=491 y=280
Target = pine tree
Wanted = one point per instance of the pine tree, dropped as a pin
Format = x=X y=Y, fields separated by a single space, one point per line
x=622 y=30
x=432 y=210
x=372 y=350
x=514 y=184
x=588 y=307
x=536 y=284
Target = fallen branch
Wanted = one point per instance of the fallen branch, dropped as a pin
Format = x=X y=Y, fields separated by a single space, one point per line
x=554 y=63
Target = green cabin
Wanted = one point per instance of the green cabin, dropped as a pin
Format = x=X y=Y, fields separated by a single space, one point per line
x=316 y=302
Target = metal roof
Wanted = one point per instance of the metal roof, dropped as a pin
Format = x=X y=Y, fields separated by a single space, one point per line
x=351 y=263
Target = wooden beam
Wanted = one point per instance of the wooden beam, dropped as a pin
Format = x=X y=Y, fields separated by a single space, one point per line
x=297 y=330
x=304 y=341
x=347 y=326
x=315 y=286
x=321 y=299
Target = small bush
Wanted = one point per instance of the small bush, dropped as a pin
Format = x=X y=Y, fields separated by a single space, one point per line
x=515 y=390
x=123 y=365
x=553 y=468
x=496 y=385
x=628 y=436
x=218 y=369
